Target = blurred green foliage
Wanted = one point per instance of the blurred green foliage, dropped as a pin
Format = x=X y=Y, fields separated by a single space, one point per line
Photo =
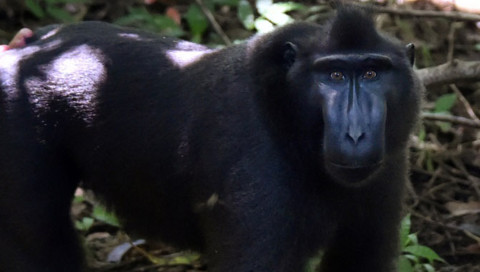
x=414 y=257
x=140 y=17
x=271 y=14
x=54 y=9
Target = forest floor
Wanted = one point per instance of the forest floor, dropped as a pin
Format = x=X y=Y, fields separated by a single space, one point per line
x=444 y=194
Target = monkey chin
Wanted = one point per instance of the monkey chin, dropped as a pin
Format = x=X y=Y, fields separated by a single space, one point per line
x=352 y=175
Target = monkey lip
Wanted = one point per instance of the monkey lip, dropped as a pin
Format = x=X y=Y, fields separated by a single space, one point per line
x=356 y=167
x=350 y=174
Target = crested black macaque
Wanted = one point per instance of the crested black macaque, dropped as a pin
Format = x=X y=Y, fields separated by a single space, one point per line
x=301 y=134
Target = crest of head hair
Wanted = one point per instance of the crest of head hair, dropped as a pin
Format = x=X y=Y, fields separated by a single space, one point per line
x=351 y=29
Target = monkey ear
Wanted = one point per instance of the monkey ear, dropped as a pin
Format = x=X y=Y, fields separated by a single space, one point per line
x=411 y=53
x=289 y=54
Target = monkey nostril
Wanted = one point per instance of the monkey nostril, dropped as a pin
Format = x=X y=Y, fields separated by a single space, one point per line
x=355 y=136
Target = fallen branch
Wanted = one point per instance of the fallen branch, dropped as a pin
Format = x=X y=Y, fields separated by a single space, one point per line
x=453 y=15
x=452 y=119
x=466 y=104
x=456 y=70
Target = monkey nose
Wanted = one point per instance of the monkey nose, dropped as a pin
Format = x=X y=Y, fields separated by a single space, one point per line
x=355 y=134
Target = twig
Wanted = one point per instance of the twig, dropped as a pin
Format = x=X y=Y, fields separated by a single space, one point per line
x=424 y=145
x=456 y=70
x=213 y=22
x=453 y=15
x=429 y=220
x=465 y=103
x=442 y=176
x=451 y=41
x=474 y=182
x=452 y=119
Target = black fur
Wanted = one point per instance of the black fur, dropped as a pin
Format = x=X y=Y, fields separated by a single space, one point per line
x=157 y=126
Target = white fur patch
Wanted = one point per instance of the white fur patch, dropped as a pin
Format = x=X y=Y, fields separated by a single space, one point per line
x=72 y=77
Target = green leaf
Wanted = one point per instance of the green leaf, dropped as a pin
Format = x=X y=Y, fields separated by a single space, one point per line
x=428 y=268
x=313 y=263
x=101 y=214
x=135 y=16
x=263 y=5
x=287 y=6
x=78 y=199
x=35 y=8
x=445 y=102
x=424 y=252
x=275 y=12
x=413 y=259
x=196 y=20
x=166 y=25
x=85 y=224
x=263 y=25
x=405 y=231
x=245 y=14
x=232 y=3
x=404 y=265
x=60 y=14
x=278 y=18
x=187 y=259
x=444 y=126
x=141 y=18
x=412 y=237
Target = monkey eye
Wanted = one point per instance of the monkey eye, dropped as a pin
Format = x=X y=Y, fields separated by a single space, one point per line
x=370 y=74
x=337 y=76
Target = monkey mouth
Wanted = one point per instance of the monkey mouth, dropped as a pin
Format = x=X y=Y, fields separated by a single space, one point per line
x=355 y=166
x=352 y=174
